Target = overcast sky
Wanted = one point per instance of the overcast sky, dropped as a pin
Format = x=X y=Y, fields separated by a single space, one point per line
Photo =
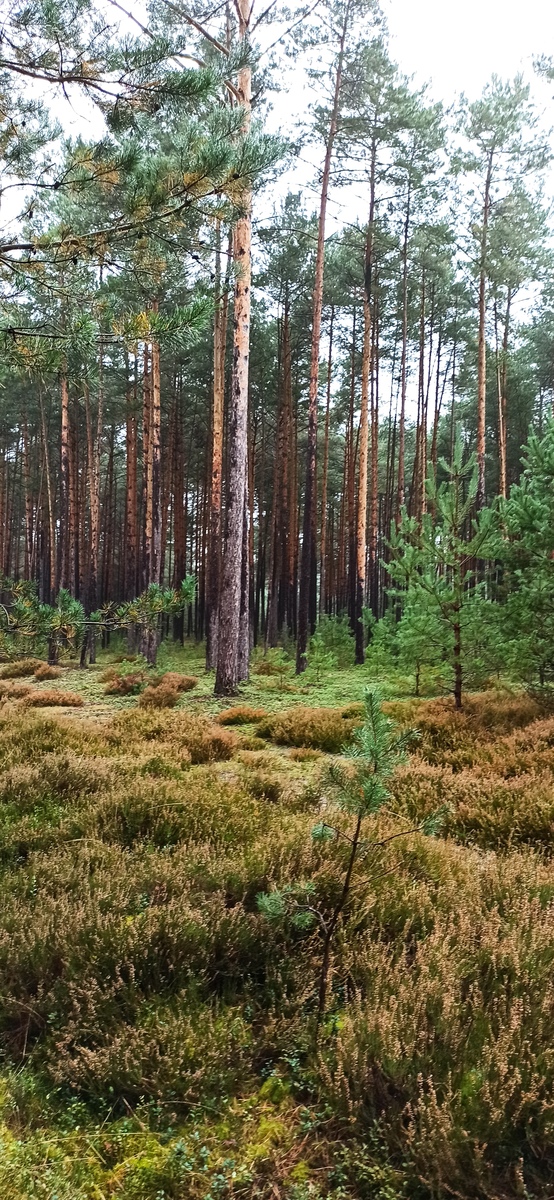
x=458 y=45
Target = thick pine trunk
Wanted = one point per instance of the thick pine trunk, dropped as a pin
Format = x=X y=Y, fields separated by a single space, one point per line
x=227 y=670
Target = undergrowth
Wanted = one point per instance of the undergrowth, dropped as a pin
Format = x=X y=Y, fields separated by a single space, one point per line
x=157 y=1030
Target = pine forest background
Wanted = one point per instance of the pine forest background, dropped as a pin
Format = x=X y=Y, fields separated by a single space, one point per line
x=160 y=418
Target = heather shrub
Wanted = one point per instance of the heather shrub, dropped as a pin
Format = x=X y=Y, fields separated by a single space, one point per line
x=458 y=1112
x=485 y=810
x=166 y=1051
x=45 y=671
x=240 y=714
x=22 y=668
x=456 y=739
x=159 y=696
x=13 y=691
x=128 y=684
x=316 y=728
x=202 y=741
x=53 y=699
x=136 y=970
x=265 y=786
x=173 y=679
x=252 y=742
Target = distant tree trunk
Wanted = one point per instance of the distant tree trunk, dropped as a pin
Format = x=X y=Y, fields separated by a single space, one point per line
x=63 y=571
x=147 y=509
x=374 y=566
x=403 y=365
x=351 y=486
x=213 y=564
x=502 y=372
x=49 y=493
x=325 y=475
x=482 y=343
x=28 y=559
x=156 y=486
x=179 y=510
x=227 y=669
x=361 y=516
x=308 y=522
x=131 y=532
x=73 y=513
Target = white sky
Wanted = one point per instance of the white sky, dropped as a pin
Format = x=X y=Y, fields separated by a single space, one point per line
x=458 y=45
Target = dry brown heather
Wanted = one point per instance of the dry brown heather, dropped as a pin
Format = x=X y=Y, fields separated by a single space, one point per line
x=45 y=671
x=142 y=990
x=18 y=670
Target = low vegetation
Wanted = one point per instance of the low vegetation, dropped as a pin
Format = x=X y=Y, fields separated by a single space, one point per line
x=158 y=1024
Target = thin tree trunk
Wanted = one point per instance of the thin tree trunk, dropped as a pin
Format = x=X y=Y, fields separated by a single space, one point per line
x=306 y=559
x=156 y=486
x=324 y=477
x=64 y=486
x=403 y=365
x=213 y=566
x=361 y=518
x=131 y=531
x=482 y=343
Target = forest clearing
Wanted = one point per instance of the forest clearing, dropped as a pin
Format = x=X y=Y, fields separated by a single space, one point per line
x=276 y=601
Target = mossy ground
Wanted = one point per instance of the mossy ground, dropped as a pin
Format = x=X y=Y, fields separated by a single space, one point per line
x=158 y=1031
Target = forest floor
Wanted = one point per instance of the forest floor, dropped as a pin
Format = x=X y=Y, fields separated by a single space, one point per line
x=158 y=1028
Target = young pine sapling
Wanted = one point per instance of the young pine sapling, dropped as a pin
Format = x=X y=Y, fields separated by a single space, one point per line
x=359 y=780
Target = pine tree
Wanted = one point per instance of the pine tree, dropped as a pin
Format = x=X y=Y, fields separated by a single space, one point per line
x=437 y=563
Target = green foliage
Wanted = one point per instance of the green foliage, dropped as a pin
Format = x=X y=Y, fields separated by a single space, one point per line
x=320 y=659
x=529 y=557
x=435 y=562
x=335 y=638
x=360 y=777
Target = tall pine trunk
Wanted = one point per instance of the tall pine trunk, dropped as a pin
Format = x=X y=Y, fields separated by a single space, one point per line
x=227 y=669
x=309 y=491
x=482 y=342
